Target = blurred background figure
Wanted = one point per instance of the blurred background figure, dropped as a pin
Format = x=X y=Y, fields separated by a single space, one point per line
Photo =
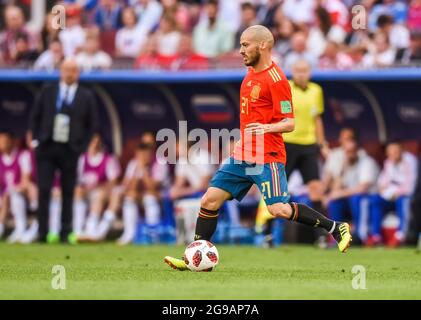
x=168 y=36
x=212 y=37
x=299 y=51
x=335 y=59
x=92 y=57
x=396 y=185
x=187 y=59
x=52 y=58
x=107 y=15
x=350 y=188
x=15 y=30
x=25 y=56
x=380 y=53
x=98 y=172
x=129 y=39
x=61 y=131
x=148 y=14
x=143 y=181
x=193 y=172
x=307 y=141
x=248 y=19
x=412 y=54
x=73 y=36
x=15 y=176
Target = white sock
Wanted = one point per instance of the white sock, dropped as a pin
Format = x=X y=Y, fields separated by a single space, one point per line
x=91 y=224
x=33 y=205
x=105 y=225
x=130 y=216
x=79 y=214
x=152 y=209
x=18 y=209
x=31 y=234
x=55 y=216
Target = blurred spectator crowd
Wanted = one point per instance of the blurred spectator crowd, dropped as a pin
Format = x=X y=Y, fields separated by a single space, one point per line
x=204 y=34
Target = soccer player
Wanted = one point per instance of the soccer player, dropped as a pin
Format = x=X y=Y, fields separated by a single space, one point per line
x=266 y=111
x=15 y=173
x=141 y=185
x=98 y=172
x=192 y=175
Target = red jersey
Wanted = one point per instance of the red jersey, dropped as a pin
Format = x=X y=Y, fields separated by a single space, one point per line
x=265 y=97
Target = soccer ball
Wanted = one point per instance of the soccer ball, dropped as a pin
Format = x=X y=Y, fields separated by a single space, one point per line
x=201 y=255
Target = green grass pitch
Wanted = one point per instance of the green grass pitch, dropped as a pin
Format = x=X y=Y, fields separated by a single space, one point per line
x=106 y=271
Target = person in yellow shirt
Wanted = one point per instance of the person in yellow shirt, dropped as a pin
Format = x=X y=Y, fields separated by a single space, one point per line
x=305 y=143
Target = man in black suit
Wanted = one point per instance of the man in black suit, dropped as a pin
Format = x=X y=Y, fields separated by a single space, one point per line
x=62 y=122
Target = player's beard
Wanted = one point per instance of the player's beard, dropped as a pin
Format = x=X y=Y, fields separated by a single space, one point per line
x=253 y=59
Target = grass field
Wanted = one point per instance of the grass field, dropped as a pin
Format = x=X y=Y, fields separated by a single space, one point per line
x=137 y=272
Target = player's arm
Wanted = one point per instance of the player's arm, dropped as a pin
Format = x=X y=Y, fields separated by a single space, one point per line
x=320 y=129
x=25 y=168
x=113 y=171
x=348 y=192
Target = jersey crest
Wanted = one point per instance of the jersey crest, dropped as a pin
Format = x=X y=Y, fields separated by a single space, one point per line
x=255 y=93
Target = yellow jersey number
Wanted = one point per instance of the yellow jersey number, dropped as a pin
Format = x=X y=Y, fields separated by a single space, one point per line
x=244 y=105
x=266 y=186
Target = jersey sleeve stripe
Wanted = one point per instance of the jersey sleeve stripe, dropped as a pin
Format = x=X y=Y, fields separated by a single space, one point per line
x=273 y=77
x=277 y=74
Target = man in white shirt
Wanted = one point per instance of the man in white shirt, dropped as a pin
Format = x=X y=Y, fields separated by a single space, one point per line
x=73 y=36
x=98 y=172
x=149 y=13
x=129 y=39
x=396 y=185
x=299 y=11
x=193 y=172
x=350 y=188
x=211 y=37
x=143 y=181
x=92 y=57
x=52 y=58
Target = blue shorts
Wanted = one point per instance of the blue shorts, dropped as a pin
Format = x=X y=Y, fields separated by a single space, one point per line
x=237 y=177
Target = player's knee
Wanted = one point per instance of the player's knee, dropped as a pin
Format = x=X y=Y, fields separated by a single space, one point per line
x=280 y=210
x=210 y=201
x=79 y=194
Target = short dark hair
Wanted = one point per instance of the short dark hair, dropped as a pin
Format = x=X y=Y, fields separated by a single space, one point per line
x=213 y=2
x=22 y=36
x=384 y=20
x=354 y=133
x=247 y=5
